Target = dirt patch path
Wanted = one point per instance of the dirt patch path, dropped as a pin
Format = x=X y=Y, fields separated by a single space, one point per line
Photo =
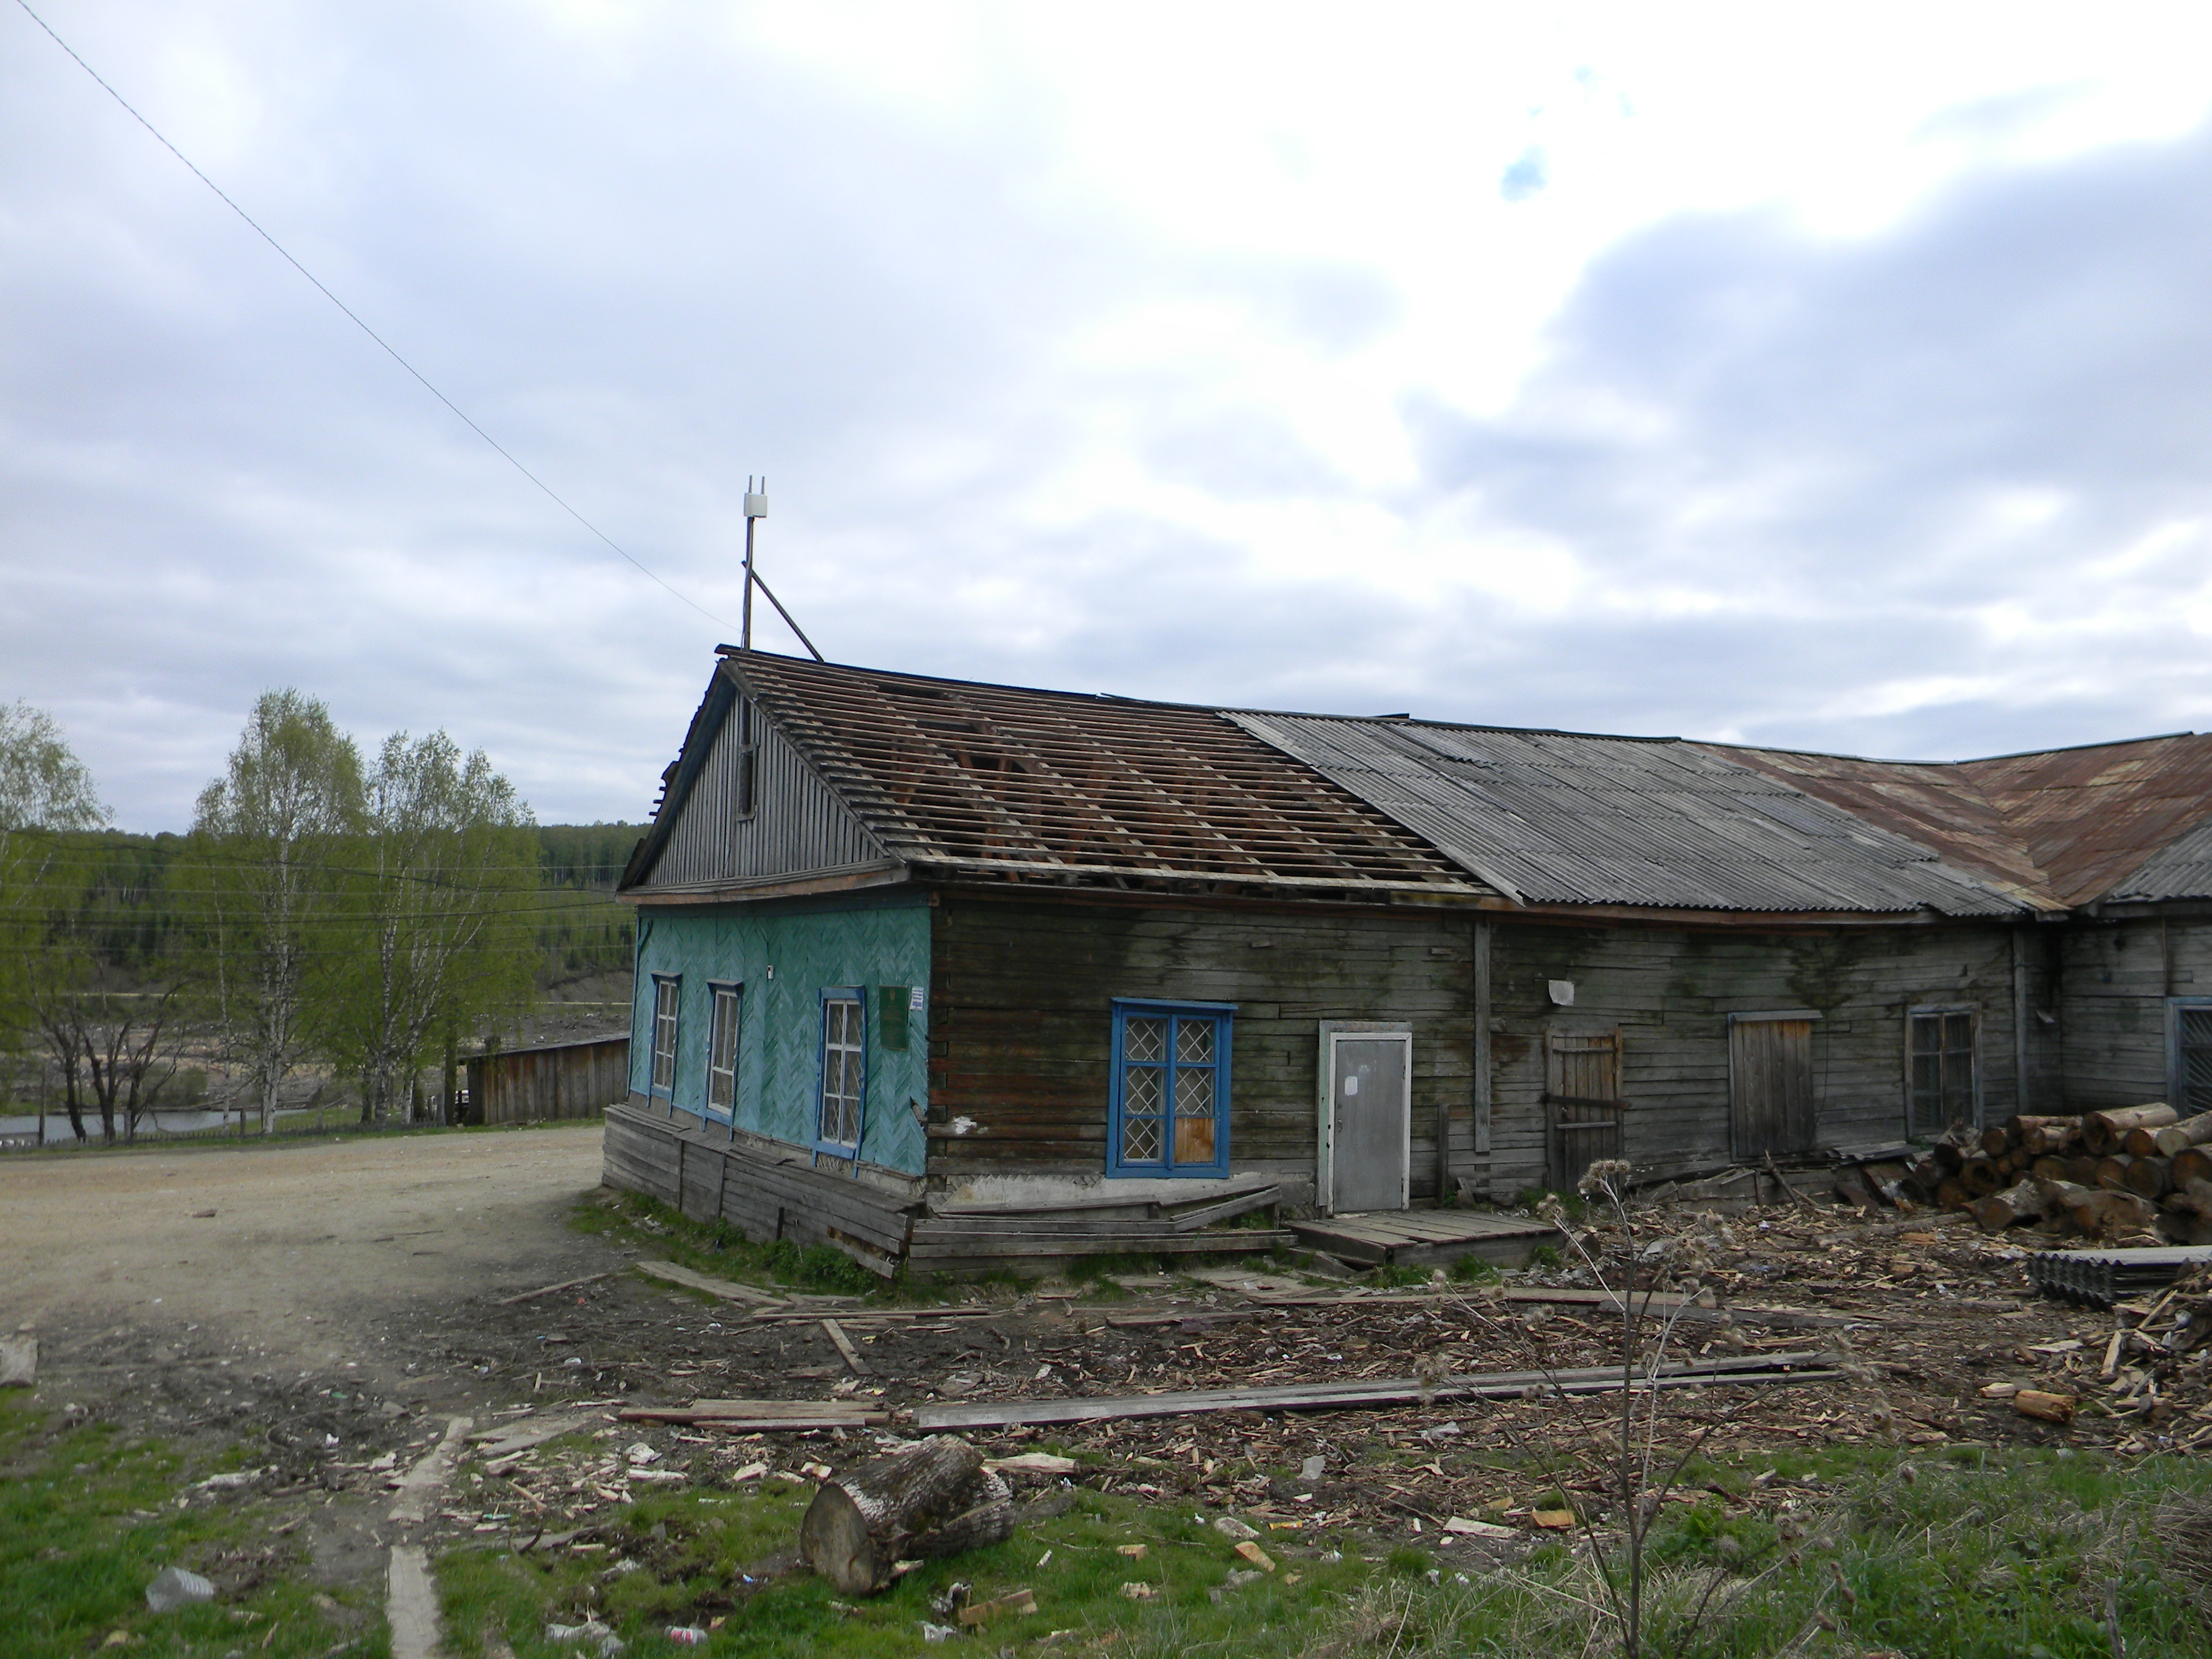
x=302 y=1249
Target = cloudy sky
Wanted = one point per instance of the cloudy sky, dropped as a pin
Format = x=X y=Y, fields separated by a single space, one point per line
x=1839 y=377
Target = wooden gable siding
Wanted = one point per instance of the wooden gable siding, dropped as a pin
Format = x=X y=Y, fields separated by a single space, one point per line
x=2116 y=977
x=1021 y=1043
x=1669 y=991
x=798 y=826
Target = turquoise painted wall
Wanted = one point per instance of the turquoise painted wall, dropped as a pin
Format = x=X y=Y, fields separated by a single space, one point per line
x=809 y=946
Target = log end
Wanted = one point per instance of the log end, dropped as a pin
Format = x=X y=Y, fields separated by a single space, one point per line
x=834 y=1541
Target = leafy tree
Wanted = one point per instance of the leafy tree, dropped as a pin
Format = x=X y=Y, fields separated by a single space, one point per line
x=117 y=1050
x=46 y=794
x=437 y=915
x=270 y=842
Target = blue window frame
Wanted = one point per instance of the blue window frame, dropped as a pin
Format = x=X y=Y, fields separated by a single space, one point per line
x=723 y=1027
x=844 y=1087
x=1170 y=1089
x=667 y=998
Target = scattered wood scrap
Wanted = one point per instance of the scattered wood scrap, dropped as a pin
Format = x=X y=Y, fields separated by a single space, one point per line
x=843 y=1344
x=551 y=1290
x=726 y=1289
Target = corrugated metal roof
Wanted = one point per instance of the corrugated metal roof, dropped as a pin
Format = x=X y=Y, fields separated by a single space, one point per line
x=1011 y=783
x=2183 y=870
x=1557 y=819
x=2068 y=824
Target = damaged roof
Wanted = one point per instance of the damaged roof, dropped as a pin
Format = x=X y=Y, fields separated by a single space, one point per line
x=967 y=779
x=998 y=781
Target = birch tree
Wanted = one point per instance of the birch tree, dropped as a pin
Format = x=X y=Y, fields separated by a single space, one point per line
x=46 y=794
x=439 y=910
x=271 y=840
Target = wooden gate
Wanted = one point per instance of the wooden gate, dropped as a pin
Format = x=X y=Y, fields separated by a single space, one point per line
x=1581 y=1092
x=1770 y=1082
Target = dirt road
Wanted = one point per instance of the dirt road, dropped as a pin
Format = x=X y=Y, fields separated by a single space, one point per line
x=260 y=1242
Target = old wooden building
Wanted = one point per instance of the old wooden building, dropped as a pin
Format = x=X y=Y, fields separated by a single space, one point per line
x=962 y=973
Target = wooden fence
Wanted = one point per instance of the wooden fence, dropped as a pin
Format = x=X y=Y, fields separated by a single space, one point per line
x=562 y=1079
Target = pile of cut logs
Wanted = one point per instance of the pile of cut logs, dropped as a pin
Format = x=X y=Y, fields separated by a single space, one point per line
x=2133 y=1169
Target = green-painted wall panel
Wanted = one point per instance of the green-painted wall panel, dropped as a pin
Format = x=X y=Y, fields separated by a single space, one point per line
x=784 y=954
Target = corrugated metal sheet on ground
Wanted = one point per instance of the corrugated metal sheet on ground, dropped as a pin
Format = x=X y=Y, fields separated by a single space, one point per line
x=1560 y=819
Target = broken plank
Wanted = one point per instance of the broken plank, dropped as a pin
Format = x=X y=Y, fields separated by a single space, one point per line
x=1205 y=1215
x=759 y=1425
x=674 y=1274
x=844 y=1344
x=1340 y=1396
x=551 y=1290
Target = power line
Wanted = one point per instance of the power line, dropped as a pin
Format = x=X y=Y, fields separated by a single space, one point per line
x=388 y=346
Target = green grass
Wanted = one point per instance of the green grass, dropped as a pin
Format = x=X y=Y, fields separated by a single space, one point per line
x=1940 y=1556
x=696 y=1570
x=719 y=1248
x=88 y=1518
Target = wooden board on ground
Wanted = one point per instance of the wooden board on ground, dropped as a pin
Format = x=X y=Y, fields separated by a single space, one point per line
x=1342 y=1396
x=1424 y=1238
x=675 y=1274
x=762 y=1416
x=1249 y=1282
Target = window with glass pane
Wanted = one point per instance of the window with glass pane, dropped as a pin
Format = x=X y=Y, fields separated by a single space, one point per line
x=722 y=1052
x=665 y=994
x=1943 y=1058
x=1170 y=1090
x=2192 y=1058
x=843 y=1074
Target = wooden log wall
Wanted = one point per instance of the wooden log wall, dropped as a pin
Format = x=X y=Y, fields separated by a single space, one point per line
x=2118 y=974
x=1021 y=1037
x=1668 y=991
x=765 y=1192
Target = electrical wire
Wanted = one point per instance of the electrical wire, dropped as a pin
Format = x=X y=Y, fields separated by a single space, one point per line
x=389 y=349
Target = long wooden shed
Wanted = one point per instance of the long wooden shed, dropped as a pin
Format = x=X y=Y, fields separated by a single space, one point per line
x=962 y=975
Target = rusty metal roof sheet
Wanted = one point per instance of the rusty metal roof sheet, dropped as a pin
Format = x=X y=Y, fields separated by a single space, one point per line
x=2068 y=824
x=1563 y=818
x=1010 y=783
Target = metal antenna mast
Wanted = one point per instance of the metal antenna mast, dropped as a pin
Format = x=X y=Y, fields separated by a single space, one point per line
x=756 y=509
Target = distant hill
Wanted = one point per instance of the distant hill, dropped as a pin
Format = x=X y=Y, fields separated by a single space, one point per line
x=586 y=854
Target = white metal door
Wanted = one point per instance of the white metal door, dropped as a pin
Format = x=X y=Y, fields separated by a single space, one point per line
x=1366 y=1118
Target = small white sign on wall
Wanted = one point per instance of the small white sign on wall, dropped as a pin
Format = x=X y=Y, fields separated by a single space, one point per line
x=1563 y=992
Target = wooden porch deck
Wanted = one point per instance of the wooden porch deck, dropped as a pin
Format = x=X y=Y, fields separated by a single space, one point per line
x=1420 y=1237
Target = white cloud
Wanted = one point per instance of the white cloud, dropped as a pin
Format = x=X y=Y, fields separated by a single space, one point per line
x=1186 y=350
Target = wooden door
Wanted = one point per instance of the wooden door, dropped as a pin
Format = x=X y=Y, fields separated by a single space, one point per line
x=1582 y=1089
x=1771 y=1084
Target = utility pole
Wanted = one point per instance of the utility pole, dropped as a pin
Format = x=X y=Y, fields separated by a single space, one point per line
x=756 y=510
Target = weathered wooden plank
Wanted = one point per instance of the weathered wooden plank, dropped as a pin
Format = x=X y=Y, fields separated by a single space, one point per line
x=1341 y=1396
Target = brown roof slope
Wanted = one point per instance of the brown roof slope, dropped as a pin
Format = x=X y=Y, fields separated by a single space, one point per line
x=2067 y=824
x=2090 y=817
x=1003 y=781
